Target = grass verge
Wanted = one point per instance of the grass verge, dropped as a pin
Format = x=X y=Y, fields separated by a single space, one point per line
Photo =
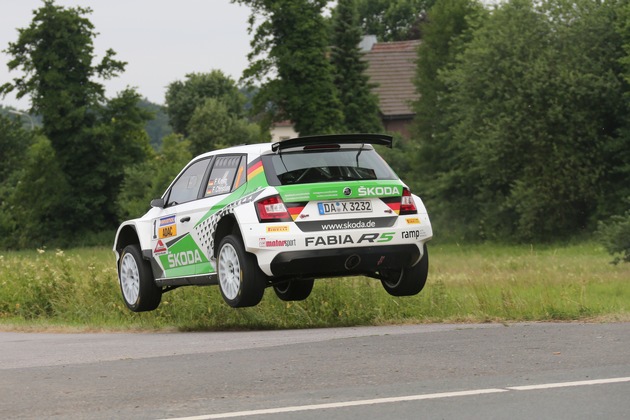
x=77 y=290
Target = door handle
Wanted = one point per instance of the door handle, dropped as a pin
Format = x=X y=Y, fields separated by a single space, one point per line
x=185 y=219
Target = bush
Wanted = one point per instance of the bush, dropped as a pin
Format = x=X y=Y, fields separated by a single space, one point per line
x=615 y=236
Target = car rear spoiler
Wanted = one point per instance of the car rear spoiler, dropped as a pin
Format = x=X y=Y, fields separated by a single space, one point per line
x=381 y=139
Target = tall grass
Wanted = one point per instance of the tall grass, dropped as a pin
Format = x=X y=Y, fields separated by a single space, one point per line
x=474 y=283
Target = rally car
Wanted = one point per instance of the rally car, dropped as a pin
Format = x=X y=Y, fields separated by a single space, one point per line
x=277 y=215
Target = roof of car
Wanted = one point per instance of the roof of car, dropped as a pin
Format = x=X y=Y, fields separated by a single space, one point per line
x=254 y=149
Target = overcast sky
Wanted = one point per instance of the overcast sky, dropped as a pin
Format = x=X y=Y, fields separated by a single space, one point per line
x=161 y=40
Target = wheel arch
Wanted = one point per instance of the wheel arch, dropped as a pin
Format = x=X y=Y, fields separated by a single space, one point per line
x=227 y=225
x=127 y=235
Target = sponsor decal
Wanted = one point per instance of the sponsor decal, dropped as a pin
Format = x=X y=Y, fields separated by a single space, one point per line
x=350 y=224
x=347 y=191
x=413 y=221
x=347 y=224
x=160 y=248
x=301 y=196
x=325 y=194
x=168 y=220
x=379 y=191
x=277 y=229
x=184 y=258
x=348 y=239
x=415 y=234
x=271 y=243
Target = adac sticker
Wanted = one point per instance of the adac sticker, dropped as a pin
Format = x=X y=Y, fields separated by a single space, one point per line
x=160 y=248
x=413 y=221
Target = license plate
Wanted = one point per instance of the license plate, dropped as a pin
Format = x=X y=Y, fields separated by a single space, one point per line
x=339 y=207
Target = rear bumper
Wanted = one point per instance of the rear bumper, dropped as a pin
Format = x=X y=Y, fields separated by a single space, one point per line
x=344 y=261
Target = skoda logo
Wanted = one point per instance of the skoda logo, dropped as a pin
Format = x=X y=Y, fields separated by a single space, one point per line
x=347 y=191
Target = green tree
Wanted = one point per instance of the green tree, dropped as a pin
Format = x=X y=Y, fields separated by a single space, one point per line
x=158 y=126
x=123 y=142
x=359 y=104
x=38 y=204
x=614 y=231
x=445 y=33
x=149 y=179
x=183 y=98
x=55 y=55
x=397 y=20
x=531 y=103
x=212 y=127
x=288 y=59
x=14 y=144
x=92 y=139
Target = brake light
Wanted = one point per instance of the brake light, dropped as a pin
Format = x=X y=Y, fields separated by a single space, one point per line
x=407 y=206
x=272 y=209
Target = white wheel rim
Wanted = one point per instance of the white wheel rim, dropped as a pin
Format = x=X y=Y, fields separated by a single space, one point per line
x=129 y=279
x=229 y=271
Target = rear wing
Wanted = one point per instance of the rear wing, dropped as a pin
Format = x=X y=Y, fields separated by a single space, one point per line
x=381 y=139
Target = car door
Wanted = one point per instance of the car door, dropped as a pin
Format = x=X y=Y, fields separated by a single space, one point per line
x=173 y=249
x=181 y=249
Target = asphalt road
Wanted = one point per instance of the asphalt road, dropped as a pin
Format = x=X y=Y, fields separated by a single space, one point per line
x=489 y=371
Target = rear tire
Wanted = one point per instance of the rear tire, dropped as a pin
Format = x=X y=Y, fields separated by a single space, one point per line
x=137 y=285
x=407 y=281
x=292 y=290
x=241 y=281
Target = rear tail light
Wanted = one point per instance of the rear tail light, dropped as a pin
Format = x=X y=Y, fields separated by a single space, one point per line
x=272 y=209
x=407 y=206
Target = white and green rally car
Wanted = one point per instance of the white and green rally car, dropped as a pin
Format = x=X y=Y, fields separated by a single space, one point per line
x=278 y=215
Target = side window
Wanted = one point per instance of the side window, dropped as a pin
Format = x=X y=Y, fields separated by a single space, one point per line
x=186 y=188
x=228 y=173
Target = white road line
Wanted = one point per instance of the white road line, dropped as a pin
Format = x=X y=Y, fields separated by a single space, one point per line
x=566 y=384
x=419 y=397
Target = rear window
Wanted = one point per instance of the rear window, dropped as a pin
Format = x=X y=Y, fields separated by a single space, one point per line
x=311 y=166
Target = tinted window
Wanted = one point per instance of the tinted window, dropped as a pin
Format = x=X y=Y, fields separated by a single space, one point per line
x=186 y=188
x=307 y=167
x=228 y=173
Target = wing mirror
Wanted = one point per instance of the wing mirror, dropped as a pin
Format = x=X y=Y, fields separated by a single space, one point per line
x=157 y=202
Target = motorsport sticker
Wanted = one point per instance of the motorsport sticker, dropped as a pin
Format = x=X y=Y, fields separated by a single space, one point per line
x=276 y=229
x=413 y=221
x=270 y=243
x=160 y=248
x=168 y=227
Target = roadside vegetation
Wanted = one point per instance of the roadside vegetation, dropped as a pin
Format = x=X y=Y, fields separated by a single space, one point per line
x=77 y=289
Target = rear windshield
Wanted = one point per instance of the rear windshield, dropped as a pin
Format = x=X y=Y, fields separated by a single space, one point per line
x=307 y=167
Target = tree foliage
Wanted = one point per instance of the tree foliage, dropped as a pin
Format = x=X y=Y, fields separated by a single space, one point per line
x=183 y=98
x=55 y=54
x=359 y=104
x=397 y=20
x=530 y=107
x=212 y=127
x=289 y=60
x=158 y=126
x=93 y=139
x=149 y=179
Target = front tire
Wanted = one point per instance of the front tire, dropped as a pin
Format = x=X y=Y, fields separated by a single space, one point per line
x=407 y=281
x=292 y=290
x=241 y=281
x=138 y=288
